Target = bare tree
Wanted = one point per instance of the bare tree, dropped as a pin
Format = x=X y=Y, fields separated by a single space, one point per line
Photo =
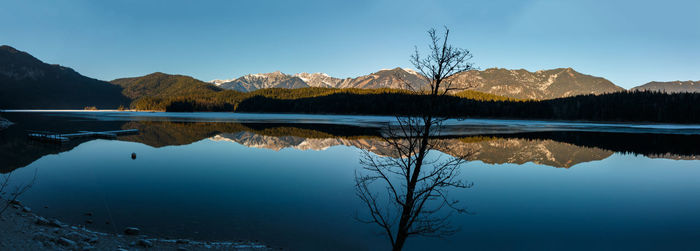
x=417 y=182
x=442 y=62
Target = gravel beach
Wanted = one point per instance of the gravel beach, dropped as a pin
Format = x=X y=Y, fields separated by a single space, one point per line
x=21 y=229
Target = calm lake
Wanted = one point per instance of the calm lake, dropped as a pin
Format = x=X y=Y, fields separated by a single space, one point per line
x=289 y=181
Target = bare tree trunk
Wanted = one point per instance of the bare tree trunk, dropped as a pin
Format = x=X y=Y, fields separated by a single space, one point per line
x=400 y=240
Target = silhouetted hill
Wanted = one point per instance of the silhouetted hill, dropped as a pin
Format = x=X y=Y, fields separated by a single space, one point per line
x=670 y=87
x=29 y=83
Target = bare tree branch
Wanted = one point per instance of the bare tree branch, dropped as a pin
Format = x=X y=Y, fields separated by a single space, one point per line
x=15 y=193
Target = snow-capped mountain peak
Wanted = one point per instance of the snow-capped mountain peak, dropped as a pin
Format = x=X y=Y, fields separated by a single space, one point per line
x=318 y=79
x=219 y=82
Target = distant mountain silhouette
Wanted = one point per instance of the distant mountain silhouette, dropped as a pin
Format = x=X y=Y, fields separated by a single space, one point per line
x=29 y=83
x=670 y=87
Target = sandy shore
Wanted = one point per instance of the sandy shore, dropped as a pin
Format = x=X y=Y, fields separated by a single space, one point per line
x=21 y=229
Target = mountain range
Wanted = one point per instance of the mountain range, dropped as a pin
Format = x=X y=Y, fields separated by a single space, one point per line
x=520 y=84
x=27 y=82
x=252 y=82
x=396 y=78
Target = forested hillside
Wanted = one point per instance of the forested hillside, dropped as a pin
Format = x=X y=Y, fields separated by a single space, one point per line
x=621 y=106
x=229 y=100
x=163 y=85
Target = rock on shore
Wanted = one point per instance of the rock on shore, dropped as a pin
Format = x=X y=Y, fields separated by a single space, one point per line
x=24 y=230
x=4 y=123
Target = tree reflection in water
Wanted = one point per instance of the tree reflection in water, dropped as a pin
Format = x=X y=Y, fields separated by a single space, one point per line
x=10 y=193
x=417 y=180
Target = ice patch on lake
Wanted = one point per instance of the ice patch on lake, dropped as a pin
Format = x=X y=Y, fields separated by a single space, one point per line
x=452 y=126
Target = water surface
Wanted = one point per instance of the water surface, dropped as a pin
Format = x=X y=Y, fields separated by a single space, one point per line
x=289 y=181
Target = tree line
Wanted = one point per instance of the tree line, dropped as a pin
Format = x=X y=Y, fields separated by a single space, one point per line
x=640 y=106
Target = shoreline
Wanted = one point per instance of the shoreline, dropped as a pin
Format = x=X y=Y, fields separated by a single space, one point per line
x=379 y=121
x=23 y=229
x=613 y=122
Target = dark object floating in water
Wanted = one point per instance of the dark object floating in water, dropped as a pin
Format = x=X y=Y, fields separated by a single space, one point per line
x=132 y=231
x=61 y=137
x=133 y=155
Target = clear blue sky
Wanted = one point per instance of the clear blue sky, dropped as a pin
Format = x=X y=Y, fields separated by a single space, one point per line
x=627 y=42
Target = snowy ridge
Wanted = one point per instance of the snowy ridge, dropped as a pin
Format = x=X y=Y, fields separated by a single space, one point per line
x=520 y=83
x=218 y=82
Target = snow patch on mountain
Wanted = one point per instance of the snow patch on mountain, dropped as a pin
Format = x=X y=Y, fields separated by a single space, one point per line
x=409 y=70
x=218 y=82
x=318 y=79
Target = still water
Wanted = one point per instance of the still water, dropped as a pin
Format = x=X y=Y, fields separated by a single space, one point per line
x=289 y=181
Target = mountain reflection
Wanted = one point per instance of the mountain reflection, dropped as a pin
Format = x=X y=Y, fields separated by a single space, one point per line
x=491 y=149
x=556 y=149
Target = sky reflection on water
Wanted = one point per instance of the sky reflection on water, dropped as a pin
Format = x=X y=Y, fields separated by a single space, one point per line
x=304 y=199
